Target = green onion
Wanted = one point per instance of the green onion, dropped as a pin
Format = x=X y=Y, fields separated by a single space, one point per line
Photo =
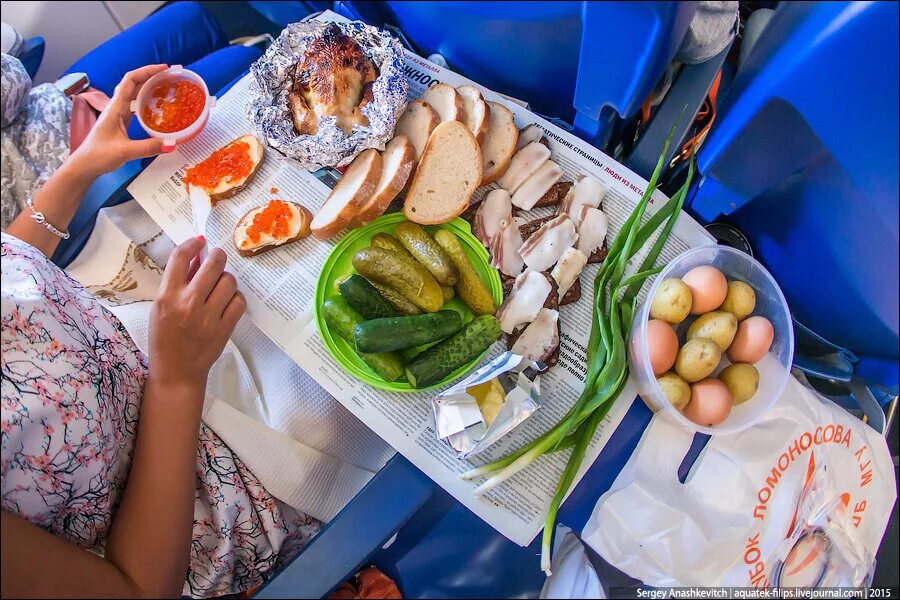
x=607 y=367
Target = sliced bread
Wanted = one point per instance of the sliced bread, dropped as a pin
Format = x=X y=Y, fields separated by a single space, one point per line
x=416 y=123
x=499 y=143
x=348 y=196
x=298 y=223
x=446 y=102
x=226 y=187
x=396 y=166
x=478 y=115
x=447 y=176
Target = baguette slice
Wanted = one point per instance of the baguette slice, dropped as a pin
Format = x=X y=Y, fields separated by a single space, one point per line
x=499 y=143
x=348 y=196
x=446 y=102
x=416 y=123
x=226 y=187
x=478 y=114
x=447 y=176
x=396 y=166
x=298 y=229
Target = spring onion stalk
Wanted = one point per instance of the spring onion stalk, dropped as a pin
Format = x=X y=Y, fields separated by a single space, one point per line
x=607 y=369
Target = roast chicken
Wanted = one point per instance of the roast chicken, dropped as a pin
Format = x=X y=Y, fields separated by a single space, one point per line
x=334 y=78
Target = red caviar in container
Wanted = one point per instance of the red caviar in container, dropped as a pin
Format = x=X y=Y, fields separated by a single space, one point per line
x=274 y=220
x=174 y=105
x=230 y=163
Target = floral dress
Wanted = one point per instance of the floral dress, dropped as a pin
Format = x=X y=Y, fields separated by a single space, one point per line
x=72 y=382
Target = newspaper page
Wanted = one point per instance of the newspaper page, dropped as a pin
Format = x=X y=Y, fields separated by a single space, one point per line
x=279 y=287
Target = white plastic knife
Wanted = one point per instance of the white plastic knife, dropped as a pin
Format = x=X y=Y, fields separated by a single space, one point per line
x=201 y=206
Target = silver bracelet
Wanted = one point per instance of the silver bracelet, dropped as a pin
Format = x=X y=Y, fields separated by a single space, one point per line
x=39 y=217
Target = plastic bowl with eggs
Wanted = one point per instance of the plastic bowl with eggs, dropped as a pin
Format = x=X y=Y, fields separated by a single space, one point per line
x=773 y=367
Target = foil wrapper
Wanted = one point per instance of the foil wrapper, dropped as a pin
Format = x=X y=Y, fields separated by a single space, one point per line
x=271 y=80
x=459 y=421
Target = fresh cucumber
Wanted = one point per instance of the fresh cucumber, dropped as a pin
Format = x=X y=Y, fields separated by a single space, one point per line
x=445 y=357
x=342 y=320
x=365 y=299
x=397 y=333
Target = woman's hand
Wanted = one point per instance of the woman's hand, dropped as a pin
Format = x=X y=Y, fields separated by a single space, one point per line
x=197 y=308
x=107 y=147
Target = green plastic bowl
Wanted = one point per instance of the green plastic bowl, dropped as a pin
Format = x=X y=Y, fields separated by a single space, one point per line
x=339 y=264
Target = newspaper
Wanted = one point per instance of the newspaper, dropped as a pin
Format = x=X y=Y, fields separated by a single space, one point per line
x=279 y=289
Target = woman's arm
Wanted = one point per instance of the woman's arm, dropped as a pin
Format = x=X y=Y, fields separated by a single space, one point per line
x=106 y=148
x=148 y=548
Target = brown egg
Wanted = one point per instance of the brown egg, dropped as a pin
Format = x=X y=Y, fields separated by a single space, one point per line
x=708 y=288
x=751 y=342
x=710 y=403
x=662 y=345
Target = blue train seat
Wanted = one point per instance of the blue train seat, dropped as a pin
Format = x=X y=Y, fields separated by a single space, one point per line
x=804 y=160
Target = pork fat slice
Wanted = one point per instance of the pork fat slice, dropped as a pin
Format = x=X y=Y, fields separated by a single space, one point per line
x=546 y=245
x=505 y=249
x=524 y=301
x=538 y=184
x=541 y=338
x=587 y=191
x=568 y=269
x=495 y=209
x=523 y=164
x=592 y=230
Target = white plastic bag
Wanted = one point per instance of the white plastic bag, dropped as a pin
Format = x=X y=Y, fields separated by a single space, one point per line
x=810 y=477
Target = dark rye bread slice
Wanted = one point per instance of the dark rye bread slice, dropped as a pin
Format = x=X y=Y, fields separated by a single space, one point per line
x=573 y=294
x=554 y=195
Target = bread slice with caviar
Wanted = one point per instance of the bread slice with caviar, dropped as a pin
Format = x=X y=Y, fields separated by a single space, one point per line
x=229 y=169
x=272 y=225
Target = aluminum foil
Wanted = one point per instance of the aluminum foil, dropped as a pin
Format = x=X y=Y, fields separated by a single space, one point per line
x=270 y=83
x=458 y=420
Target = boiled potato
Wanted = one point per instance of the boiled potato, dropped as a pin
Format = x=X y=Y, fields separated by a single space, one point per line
x=675 y=389
x=718 y=326
x=741 y=379
x=671 y=302
x=740 y=300
x=697 y=359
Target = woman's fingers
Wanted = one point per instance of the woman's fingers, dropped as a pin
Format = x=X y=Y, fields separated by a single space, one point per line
x=142 y=148
x=130 y=85
x=233 y=311
x=208 y=274
x=179 y=264
x=222 y=293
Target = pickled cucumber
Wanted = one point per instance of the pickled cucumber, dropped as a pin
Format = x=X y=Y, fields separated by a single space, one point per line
x=388 y=242
x=469 y=285
x=401 y=273
x=425 y=250
x=449 y=293
x=403 y=305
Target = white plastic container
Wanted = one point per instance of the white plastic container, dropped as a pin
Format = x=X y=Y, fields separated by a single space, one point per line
x=173 y=73
x=774 y=368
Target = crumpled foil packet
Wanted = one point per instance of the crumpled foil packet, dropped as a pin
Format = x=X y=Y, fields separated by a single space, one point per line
x=458 y=420
x=270 y=83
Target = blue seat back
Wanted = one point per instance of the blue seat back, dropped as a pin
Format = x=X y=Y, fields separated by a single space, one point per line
x=804 y=160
